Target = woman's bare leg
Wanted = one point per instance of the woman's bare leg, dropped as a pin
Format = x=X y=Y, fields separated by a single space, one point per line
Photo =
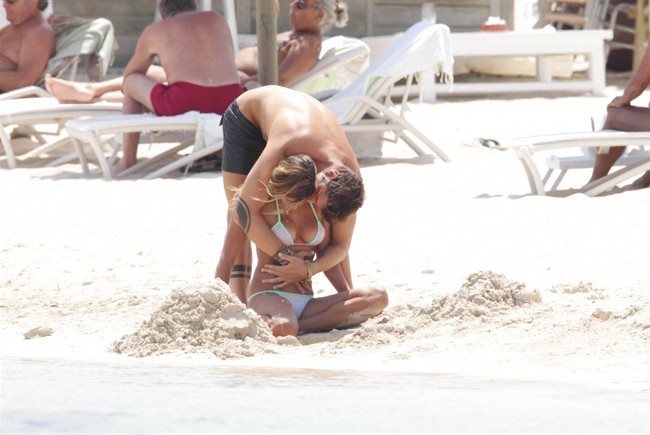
x=342 y=310
x=277 y=312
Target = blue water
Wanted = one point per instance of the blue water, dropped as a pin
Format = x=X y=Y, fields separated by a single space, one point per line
x=63 y=396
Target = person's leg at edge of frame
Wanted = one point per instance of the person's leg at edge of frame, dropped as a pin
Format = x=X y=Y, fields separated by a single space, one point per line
x=627 y=118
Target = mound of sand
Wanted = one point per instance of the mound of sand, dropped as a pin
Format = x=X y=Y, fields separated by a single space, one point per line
x=484 y=294
x=198 y=318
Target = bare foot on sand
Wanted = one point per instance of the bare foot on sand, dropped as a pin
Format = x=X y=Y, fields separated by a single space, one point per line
x=69 y=92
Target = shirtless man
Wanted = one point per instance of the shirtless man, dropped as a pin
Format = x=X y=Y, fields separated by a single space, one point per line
x=262 y=127
x=26 y=44
x=196 y=52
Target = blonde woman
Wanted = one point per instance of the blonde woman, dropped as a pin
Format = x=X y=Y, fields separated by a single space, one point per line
x=296 y=221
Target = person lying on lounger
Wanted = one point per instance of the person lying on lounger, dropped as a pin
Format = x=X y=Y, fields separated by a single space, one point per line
x=26 y=44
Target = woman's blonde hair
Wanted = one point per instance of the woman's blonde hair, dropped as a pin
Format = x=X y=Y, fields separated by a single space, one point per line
x=293 y=180
x=336 y=14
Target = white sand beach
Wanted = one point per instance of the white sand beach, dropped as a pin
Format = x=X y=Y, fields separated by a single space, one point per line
x=483 y=278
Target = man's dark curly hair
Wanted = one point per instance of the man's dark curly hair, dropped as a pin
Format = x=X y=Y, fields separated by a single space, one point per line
x=169 y=8
x=345 y=195
x=42 y=4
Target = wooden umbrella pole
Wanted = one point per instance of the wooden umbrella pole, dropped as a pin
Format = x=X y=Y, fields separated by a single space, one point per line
x=267 y=59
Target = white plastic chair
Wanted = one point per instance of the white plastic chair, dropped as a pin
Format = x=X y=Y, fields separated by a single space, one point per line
x=633 y=164
x=28 y=113
x=366 y=104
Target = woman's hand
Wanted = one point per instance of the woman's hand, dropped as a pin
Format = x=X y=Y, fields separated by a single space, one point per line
x=294 y=272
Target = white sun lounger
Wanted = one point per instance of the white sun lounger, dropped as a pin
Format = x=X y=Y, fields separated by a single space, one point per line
x=30 y=112
x=366 y=104
x=207 y=138
x=337 y=53
x=634 y=164
x=341 y=60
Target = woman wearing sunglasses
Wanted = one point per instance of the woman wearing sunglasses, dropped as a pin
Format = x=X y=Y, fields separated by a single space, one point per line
x=26 y=44
x=298 y=49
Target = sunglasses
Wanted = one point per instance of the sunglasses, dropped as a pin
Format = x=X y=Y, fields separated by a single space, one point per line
x=300 y=4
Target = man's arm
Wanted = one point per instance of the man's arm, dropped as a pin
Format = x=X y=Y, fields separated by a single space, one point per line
x=35 y=51
x=337 y=278
x=339 y=246
x=332 y=256
x=232 y=243
x=636 y=84
x=252 y=197
x=144 y=51
x=296 y=58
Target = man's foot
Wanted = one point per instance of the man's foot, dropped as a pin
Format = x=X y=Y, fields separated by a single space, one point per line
x=69 y=92
x=642 y=182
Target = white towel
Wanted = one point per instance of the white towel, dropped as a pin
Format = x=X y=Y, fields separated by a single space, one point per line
x=208 y=131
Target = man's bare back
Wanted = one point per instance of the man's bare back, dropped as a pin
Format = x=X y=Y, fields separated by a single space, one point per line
x=297 y=123
x=198 y=64
x=194 y=47
x=26 y=45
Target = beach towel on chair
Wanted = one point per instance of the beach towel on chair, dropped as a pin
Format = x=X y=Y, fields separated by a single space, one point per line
x=76 y=37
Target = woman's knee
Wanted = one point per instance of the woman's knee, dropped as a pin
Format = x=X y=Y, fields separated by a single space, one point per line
x=282 y=326
x=377 y=298
x=380 y=297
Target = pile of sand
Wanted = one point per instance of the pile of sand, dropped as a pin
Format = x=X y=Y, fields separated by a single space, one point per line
x=484 y=294
x=200 y=318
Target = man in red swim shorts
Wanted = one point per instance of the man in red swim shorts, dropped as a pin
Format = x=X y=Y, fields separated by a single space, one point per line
x=181 y=97
x=198 y=60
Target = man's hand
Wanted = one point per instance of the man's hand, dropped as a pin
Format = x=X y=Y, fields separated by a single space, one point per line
x=293 y=272
x=619 y=102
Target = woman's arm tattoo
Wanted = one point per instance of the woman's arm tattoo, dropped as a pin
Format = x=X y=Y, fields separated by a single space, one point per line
x=243 y=214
